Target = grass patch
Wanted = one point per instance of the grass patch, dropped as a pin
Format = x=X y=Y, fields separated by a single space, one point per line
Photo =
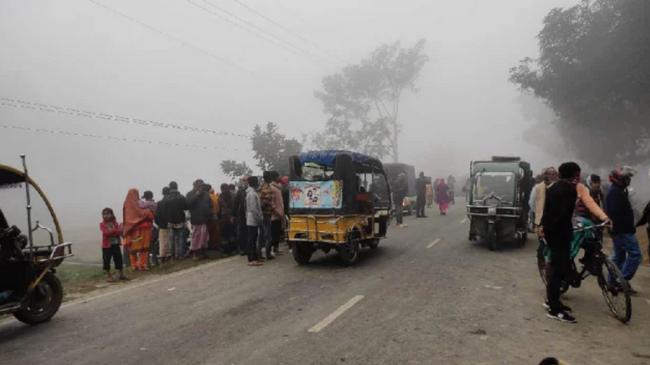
x=81 y=279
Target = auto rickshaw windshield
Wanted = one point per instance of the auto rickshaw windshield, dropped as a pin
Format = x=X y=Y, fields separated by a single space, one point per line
x=502 y=184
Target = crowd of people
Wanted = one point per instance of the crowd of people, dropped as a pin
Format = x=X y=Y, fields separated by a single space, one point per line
x=248 y=221
x=440 y=191
x=561 y=197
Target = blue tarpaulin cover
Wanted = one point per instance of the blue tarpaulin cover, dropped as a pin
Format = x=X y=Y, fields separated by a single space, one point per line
x=326 y=158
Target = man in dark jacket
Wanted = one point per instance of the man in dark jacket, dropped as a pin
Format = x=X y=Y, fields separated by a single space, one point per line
x=239 y=214
x=627 y=253
x=176 y=208
x=226 y=220
x=162 y=221
x=421 y=189
x=556 y=226
x=200 y=206
x=399 y=193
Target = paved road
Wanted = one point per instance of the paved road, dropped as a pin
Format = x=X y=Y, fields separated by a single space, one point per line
x=425 y=296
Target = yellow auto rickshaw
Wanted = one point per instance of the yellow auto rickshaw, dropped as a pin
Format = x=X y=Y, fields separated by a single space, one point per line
x=29 y=288
x=340 y=200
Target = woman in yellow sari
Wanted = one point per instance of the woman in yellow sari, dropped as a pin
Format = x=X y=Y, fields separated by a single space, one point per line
x=138 y=221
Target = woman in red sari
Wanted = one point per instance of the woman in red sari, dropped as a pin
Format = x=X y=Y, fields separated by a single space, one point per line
x=442 y=196
x=138 y=221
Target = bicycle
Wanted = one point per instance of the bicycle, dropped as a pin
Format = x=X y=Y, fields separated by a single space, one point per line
x=614 y=287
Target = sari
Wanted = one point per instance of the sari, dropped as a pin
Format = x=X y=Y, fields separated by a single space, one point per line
x=442 y=196
x=137 y=228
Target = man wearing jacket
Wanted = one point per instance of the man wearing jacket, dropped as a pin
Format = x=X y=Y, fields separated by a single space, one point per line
x=239 y=213
x=254 y=220
x=162 y=221
x=176 y=208
x=627 y=253
x=399 y=193
x=200 y=206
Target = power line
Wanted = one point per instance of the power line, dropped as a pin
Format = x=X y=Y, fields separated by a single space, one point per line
x=251 y=25
x=75 y=134
x=174 y=38
x=83 y=113
x=260 y=29
x=279 y=25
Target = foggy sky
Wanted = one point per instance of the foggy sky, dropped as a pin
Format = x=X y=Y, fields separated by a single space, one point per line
x=79 y=55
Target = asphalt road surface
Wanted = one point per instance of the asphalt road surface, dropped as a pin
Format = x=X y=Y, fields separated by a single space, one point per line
x=425 y=296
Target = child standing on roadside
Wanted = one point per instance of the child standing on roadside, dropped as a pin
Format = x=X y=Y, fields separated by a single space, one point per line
x=111 y=243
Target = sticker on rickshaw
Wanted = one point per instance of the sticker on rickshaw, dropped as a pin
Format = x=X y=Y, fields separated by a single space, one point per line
x=316 y=194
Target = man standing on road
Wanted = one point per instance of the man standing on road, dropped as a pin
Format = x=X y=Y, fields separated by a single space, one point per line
x=239 y=213
x=268 y=207
x=176 y=207
x=451 y=183
x=538 y=196
x=277 y=220
x=399 y=193
x=421 y=189
x=200 y=207
x=226 y=220
x=557 y=228
x=619 y=209
x=162 y=220
x=254 y=220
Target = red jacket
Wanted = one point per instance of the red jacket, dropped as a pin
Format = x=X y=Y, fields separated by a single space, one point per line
x=108 y=233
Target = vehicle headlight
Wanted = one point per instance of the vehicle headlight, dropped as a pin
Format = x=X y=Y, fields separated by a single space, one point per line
x=492 y=211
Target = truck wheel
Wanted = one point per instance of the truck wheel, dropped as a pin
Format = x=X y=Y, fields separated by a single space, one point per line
x=302 y=253
x=43 y=302
x=492 y=238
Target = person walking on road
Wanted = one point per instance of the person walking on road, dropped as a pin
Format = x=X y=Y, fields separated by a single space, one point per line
x=254 y=220
x=451 y=183
x=442 y=196
x=421 y=189
x=138 y=222
x=429 y=190
x=111 y=243
x=399 y=193
x=556 y=227
x=239 y=212
x=627 y=253
x=200 y=207
x=176 y=206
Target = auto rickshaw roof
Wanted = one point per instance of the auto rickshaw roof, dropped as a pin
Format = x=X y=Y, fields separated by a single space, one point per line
x=490 y=166
x=10 y=177
x=326 y=158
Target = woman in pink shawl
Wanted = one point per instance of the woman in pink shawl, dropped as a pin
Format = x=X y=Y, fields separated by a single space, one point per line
x=442 y=195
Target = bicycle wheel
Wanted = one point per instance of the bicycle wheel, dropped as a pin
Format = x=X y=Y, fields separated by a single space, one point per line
x=615 y=289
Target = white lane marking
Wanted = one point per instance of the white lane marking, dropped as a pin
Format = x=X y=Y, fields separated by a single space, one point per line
x=329 y=319
x=464 y=220
x=433 y=243
x=148 y=282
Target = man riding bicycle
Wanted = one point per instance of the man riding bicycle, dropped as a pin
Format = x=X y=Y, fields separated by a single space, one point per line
x=556 y=226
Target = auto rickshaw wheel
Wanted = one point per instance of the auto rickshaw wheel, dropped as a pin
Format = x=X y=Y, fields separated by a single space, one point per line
x=350 y=251
x=492 y=238
x=302 y=252
x=43 y=302
x=373 y=243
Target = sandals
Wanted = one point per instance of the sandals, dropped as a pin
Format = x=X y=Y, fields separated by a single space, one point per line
x=124 y=278
x=255 y=263
x=145 y=269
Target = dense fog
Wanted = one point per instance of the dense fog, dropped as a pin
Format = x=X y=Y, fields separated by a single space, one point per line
x=176 y=62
